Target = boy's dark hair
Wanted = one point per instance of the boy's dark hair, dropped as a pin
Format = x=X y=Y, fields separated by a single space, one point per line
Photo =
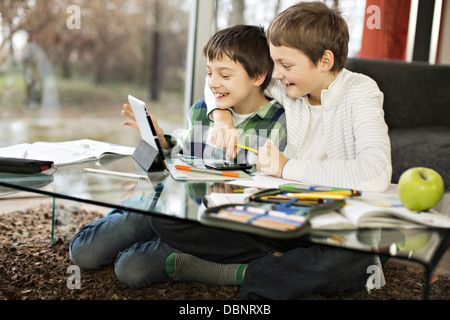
x=246 y=45
x=312 y=28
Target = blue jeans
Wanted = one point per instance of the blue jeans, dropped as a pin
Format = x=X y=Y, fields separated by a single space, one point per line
x=127 y=240
x=139 y=245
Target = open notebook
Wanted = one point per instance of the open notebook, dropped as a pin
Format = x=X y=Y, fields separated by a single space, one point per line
x=65 y=152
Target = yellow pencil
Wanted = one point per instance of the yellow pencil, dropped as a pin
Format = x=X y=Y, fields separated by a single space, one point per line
x=246 y=148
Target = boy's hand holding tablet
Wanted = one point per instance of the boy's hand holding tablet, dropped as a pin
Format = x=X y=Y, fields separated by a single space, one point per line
x=128 y=112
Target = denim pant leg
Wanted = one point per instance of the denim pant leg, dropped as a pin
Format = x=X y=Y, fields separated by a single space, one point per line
x=98 y=243
x=304 y=271
x=143 y=264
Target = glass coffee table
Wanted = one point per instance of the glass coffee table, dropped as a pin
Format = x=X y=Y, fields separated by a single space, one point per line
x=160 y=195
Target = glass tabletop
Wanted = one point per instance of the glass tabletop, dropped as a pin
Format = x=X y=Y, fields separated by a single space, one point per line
x=161 y=195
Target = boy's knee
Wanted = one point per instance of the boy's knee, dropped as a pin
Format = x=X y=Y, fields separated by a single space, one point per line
x=88 y=254
x=129 y=271
x=83 y=256
x=137 y=271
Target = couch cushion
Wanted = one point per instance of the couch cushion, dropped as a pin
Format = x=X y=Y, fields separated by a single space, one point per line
x=421 y=147
x=416 y=94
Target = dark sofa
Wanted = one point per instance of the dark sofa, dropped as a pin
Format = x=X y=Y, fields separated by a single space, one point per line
x=417 y=112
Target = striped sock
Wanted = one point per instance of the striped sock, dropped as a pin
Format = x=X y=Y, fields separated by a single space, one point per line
x=185 y=268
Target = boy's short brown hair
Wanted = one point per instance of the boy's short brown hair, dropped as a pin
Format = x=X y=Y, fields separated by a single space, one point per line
x=312 y=28
x=246 y=45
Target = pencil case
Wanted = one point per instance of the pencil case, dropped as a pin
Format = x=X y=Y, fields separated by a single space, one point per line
x=263 y=220
x=265 y=214
x=21 y=165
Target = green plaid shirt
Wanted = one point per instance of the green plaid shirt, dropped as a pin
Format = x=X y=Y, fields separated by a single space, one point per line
x=269 y=122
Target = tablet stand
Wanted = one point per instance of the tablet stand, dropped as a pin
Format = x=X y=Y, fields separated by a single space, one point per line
x=148 y=157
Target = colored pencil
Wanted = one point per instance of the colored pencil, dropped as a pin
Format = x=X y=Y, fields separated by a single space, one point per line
x=246 y=148
x=223 y=173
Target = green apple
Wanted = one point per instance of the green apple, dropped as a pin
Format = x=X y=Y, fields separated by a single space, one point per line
x=420 y=188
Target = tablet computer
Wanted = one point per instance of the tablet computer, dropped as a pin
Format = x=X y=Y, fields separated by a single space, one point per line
x=145 y=124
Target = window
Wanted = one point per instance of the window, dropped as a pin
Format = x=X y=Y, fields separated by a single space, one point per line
x=230 y=12
x=67 y=67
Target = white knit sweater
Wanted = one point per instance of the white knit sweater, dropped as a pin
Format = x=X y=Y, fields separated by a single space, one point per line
x=356 y=135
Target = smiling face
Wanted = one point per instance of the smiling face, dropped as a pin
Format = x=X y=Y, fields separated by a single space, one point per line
x=232 y=86
x=298 y=73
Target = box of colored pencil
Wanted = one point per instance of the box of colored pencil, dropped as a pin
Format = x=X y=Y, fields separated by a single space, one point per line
x=323 y=200
x=275 y=212
x=273 y=221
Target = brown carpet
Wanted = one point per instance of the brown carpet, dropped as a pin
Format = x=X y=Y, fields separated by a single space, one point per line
x=31 y=268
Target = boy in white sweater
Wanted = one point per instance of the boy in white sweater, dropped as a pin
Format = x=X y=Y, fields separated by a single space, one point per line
x=337 y=137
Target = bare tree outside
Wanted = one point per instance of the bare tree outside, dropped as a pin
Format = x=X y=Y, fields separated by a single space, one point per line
x=237 y=12
x=49 y=68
